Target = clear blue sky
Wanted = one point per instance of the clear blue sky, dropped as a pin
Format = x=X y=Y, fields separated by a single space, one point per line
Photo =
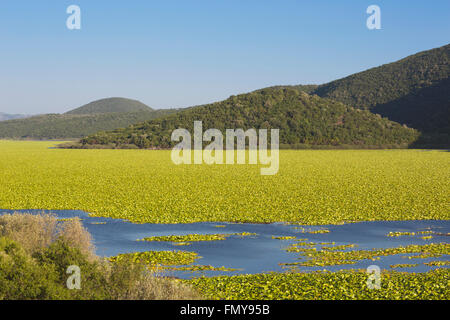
x=188 y=52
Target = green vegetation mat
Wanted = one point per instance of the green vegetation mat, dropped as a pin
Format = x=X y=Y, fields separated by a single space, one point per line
x=197 y=237
x=340 y=285
x=167 y=260
x=311 y=187
x=158 y=257
x=330 y=256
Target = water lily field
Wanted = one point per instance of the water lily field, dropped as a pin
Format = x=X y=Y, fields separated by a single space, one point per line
x=307 y=232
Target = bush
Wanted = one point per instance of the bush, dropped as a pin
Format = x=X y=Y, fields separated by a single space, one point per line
x=35 y=232
x=21 y=277
x=36 y=250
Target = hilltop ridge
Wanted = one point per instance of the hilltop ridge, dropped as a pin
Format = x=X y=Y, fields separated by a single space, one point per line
x=109 y=105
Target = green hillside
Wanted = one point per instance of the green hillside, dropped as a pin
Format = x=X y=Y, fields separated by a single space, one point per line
x=96 y=116
x=307 y=88
x=111 y=105
x=302 y=119
x=414 y=91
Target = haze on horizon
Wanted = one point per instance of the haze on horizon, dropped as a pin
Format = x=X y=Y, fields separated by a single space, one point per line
x=181 y=53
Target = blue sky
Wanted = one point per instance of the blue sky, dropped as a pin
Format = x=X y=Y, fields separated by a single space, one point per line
x=183 y=53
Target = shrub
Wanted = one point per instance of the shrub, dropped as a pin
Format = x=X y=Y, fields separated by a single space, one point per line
x=36 y=250
x=35 y=232
x=21 y=277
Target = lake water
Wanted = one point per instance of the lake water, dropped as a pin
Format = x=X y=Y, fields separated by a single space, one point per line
x=259 y=253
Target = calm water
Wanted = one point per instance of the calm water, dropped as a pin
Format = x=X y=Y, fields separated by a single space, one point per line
x=260 y=253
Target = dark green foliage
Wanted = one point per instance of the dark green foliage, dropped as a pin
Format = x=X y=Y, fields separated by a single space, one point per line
x=111 y=105
x=21 y=277
x=301 y=118
x=391 y=81
x=307 y=88
x=414 y=91
x=59 y=255
x=43 y=275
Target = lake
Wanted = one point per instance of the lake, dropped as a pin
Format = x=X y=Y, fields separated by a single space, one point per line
x=258 y=253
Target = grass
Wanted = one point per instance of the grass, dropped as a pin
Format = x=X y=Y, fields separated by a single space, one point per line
x=342 y=285
x=311 y=187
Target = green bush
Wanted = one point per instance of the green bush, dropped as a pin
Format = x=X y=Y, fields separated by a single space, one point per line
x=21 y=277
x=36 y=251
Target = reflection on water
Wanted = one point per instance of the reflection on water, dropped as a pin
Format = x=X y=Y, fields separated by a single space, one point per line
x=260 y=253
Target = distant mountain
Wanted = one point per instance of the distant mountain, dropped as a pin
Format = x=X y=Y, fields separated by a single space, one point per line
x=105 y=114
x=303 y=120
x=109 y=105
x=6 y=116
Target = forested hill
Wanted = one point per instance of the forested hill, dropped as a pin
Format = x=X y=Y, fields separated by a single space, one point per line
x=105 y=114
x=414 y=91
x=307 y=88
x=302 y=119
x=110 y=105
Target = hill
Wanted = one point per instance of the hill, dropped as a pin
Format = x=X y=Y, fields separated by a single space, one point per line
x=105 y=114
x=307 y=88
x=111 y=105
x=302 y=119
x=414 y=91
